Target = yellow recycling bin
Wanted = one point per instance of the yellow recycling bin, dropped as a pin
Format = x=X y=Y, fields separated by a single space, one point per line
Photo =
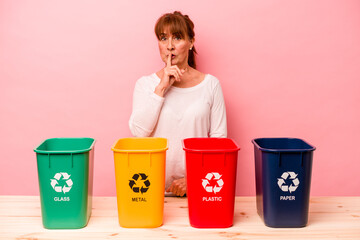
x=140 y=181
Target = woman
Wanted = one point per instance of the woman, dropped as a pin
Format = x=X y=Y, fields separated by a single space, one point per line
x=178 y=101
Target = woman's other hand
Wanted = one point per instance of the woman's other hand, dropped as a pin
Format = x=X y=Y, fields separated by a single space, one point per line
x=178 y=187
x=171 y=74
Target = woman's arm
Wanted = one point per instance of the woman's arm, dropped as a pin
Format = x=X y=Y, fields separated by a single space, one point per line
x=218 y=125
x=146 y=109
x=147 y=102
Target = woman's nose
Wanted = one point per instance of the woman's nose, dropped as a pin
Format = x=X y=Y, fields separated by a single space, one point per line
x=170 y=45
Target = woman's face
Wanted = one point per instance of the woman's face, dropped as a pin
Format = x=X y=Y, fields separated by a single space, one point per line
x=176 y=46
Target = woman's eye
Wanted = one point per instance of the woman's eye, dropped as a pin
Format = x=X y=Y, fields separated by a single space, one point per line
x=163 y=38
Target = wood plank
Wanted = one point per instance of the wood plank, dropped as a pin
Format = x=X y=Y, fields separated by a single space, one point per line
x=329 y=218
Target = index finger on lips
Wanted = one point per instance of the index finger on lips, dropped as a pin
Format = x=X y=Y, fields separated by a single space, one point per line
x=168 y=62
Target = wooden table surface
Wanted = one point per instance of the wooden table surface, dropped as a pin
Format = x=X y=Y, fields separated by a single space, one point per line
x=329 y=218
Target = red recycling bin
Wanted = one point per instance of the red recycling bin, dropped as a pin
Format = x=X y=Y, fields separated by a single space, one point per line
x=211 y=178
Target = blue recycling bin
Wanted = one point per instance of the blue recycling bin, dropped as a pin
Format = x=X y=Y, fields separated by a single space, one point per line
x=283 y=175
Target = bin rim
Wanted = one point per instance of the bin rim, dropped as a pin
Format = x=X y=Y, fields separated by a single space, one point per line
x=310 y=149
x=139 y=150
x=211 y=150
x=66 y=151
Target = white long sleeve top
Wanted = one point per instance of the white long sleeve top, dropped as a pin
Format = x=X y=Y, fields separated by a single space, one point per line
x=197 y=111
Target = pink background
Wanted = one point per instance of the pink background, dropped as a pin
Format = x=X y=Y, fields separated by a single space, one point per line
x=287 y=68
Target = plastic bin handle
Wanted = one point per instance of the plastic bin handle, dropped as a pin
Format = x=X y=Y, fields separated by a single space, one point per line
x=128 y=158
x=301 y=158
x=203 y=153
x=71 y=157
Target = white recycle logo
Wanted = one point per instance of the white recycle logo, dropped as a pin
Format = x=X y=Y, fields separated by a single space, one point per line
x=65 y=177
x=219 y=182
x=293 y=186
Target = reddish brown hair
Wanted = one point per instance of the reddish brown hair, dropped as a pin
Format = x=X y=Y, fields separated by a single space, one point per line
x=178 y=24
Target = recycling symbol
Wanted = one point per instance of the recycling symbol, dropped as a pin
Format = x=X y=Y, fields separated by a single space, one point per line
x=293 y=185
x=214 y=187
x=138 y=184
x=64 y=177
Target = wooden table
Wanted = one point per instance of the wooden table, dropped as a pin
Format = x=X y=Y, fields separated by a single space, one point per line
x=329 y=218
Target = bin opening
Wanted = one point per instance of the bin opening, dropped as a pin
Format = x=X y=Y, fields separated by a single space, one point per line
x=140 y=145
x=64 y=145
x=282 y=144
x=210 y=145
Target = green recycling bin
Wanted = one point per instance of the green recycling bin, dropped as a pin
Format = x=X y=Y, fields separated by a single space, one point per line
x=65 y=172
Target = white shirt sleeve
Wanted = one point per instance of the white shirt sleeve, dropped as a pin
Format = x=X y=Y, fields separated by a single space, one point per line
x=218 y=126
x=146 y=108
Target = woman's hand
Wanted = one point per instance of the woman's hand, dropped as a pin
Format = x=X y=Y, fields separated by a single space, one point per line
x=178 y=187
x=171 y=74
